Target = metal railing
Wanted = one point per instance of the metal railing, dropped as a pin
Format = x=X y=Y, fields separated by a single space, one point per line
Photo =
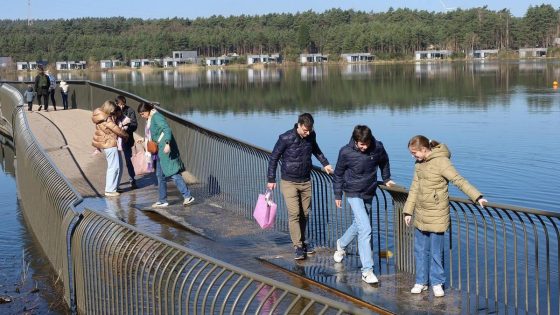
x=122 y=270
x=505 y=255
x=110 y=267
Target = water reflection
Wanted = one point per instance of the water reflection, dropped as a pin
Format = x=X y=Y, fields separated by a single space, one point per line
x=25 y=273
x=314 y=73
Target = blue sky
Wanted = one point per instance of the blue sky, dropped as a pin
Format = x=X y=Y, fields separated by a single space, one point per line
x=50 y=9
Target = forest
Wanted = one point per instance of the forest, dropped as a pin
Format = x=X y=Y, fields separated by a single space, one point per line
x=391 y=35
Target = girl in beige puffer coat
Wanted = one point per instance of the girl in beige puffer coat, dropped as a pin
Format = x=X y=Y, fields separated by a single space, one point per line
x=428 y=201
x=105 y=138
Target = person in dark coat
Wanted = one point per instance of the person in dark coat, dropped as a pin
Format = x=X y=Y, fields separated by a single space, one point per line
x=295 y=147
x=42 y=84
x=356 y=175
x=127 y=145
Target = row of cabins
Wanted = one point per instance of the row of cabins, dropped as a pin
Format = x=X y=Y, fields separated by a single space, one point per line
x=478 y=53
x=191 y=57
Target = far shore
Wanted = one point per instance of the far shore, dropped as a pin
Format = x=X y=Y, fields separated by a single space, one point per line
x=285 y=64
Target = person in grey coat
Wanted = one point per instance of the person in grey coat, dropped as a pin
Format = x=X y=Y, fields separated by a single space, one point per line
x=29 y=96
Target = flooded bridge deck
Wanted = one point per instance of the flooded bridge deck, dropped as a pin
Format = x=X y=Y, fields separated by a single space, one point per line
x=218 y=232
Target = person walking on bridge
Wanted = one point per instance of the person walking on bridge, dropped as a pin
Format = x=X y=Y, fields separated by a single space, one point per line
x=128 y=144
x=295 y=147
x=428 y=202
x=105 y=138
x=168 y=161
x=42 y=84
x=356 y=175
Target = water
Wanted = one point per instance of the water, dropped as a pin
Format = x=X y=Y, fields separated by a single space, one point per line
x=500 y=120
x=25 y=275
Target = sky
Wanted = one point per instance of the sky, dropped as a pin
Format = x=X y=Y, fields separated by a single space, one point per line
x=150 y=9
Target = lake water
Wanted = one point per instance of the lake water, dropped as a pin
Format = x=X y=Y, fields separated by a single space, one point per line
x=25 y=274
x=500 y=120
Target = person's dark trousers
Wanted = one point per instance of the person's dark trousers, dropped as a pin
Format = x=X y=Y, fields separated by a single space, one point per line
x=64 y=100
x=127 y=152
x=29 y=106
x=51 y=93
x=45 y=95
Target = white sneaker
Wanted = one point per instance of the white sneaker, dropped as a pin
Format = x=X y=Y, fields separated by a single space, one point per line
x=188 y=201
x=418 y=288
x=438 y=290
x=339 y=253
x=369 y=277
x=160 y=204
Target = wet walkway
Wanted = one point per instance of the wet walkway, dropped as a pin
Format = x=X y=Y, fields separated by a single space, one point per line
x=66 y=136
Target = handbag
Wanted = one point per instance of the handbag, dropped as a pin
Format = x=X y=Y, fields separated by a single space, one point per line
x=141 y=162
x=152 y=146
x=265 y=210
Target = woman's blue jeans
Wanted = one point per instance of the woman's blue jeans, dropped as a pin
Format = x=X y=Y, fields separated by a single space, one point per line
x=113 y=169
x=428 y=253
x=162 y=184
x=361 y=228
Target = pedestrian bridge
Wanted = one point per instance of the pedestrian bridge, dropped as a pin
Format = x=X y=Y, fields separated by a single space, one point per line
x=117 y=255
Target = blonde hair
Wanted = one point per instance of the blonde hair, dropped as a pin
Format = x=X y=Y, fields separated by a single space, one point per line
x=419 y=141
x=108 y=107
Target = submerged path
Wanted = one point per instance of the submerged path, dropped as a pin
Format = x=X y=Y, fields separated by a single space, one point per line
x=218 y=232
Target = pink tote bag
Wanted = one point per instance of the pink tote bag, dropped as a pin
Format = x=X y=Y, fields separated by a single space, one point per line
x=265 y=210
x=141 y=162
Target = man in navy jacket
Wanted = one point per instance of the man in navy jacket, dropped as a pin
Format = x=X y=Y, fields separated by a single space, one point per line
x=356 y=176
x=294 y=148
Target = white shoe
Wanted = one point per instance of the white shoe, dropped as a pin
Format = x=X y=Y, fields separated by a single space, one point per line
x=160 y=204
x=339 y=253
x=188 y=201
x=112 y=194
x=369 y=277
x=438 y=290
x=418 y=288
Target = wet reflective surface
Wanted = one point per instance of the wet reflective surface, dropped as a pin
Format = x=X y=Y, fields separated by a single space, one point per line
x=25 y=273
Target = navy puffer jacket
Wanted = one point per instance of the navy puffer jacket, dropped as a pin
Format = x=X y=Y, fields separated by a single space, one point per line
x=295 y=153
x=356 y=171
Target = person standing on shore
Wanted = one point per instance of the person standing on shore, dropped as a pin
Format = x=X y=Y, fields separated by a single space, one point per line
x=42 y=84
x=428 y=202
x=356 y=175
x=295 y=147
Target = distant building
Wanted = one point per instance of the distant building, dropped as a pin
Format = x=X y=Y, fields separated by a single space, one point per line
x=218 y=61
x=70 y=65
x=432 y=54
x=357 y=57
x=22 y=65
x=138 y=63
x=6 y=62
x=181 y=57
x=255 y=59
x=313 y=58
x=33 y=65
x=532 y=52
x=483 y=53
x=109 y=63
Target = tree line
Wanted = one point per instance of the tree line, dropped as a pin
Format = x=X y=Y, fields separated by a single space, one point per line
x=394 y=34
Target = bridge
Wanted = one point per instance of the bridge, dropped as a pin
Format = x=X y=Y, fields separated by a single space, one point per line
x=121 y=256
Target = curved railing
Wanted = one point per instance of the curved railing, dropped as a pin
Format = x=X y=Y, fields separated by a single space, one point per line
x=506 y=256
x=110 y=267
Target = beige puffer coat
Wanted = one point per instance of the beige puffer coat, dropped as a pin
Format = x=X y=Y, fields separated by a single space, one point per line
x=106 y=131
x=428 y=198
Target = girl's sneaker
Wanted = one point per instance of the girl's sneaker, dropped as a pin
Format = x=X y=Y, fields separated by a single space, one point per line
x=418 y=288
x=438 y=290
x=339 y=253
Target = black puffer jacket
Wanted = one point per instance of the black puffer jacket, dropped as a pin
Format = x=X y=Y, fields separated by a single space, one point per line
x=132 y=126
x=356 y=171
x=295 y=153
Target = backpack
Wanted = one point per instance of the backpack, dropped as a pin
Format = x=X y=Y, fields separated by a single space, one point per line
x=43 y=81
